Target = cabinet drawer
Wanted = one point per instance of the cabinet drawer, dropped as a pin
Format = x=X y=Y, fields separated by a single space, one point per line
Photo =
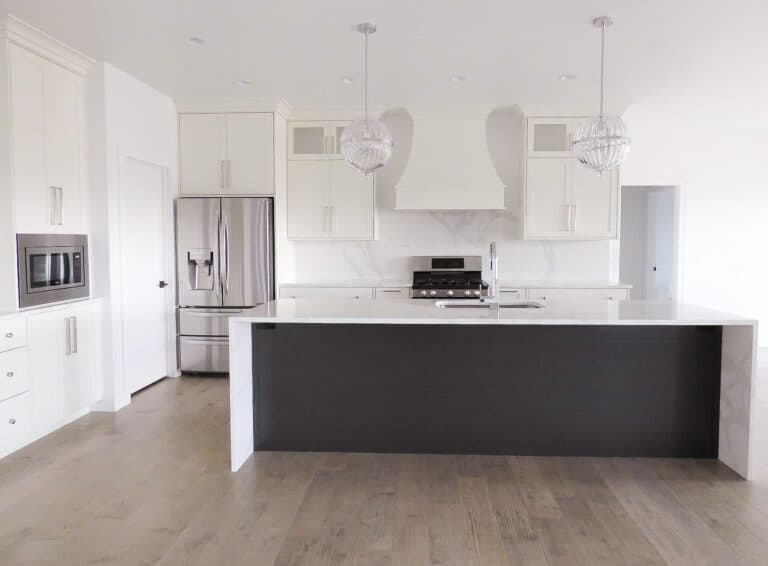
x=13 y=333
x=392 y=293
x=596 y=294
x=326 y=292
x=15 y=423
x=511 y=295
x=14 y=373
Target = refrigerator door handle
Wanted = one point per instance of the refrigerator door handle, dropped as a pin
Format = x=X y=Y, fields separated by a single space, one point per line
x=226 y=255
x=220 y=254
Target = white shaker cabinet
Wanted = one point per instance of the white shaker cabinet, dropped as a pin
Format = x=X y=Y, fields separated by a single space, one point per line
x=329 y=200
x=48 y=146
x=563 y=199
x=326 y=292
x=227 y=153
x=62 y=365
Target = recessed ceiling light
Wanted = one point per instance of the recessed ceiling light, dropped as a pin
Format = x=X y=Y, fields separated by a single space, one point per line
x=455 y=79
x=195 y=40
x=243 y=82
x=348 y=80
x=567 y=77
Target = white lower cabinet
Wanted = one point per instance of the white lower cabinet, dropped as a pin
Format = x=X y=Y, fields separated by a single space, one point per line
x=512 y=295
x=15 y=423
x=392 y=293
x=62 y=365
x=14 y=373
x=575 y=295
x=323 y=292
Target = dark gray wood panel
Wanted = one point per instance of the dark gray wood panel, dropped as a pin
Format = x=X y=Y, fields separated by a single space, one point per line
x=528 y=390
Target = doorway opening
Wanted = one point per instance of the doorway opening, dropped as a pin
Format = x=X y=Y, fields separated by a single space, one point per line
x=650 y=242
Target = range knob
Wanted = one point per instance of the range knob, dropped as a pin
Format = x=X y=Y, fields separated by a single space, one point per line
x=477 y=293
x=468 y=293
x=450 y=293
x=423 y=293
x=433 y=292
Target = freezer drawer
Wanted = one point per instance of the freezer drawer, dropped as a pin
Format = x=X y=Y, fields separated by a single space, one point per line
x=204 y=354
x=205 y=322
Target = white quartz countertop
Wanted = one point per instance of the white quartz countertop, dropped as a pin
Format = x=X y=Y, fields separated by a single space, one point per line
x=504 y=284
x=587 y=312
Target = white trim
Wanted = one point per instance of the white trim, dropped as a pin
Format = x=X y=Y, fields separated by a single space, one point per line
x=32 y=39
x=226 y=107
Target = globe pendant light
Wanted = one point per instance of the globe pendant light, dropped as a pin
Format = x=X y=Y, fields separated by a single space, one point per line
x=366 y=144
x=603 y=141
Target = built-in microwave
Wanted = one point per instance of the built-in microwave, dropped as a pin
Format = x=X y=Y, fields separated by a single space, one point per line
x=52 y=268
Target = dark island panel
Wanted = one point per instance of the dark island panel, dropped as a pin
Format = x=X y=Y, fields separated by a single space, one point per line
x=488 y=389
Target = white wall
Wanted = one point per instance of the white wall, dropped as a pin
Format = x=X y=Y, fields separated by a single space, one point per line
x=405 y=234
x=126 y=118
x=712 y=138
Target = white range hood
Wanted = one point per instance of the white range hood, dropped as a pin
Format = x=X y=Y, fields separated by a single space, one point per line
x=449 y=168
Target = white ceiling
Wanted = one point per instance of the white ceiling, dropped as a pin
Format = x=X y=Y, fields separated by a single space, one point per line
x=512 y=52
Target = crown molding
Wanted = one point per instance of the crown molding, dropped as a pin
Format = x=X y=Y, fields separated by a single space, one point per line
x=32 y=39
x=222 y=106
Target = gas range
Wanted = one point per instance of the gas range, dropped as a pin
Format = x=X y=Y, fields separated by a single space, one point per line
x=448 y=277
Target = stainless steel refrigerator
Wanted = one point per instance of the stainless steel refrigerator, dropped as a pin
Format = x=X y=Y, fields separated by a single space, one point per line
x=225 y=263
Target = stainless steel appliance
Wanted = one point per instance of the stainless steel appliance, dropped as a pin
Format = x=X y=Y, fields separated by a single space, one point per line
x=448 y=277
x=225 y=263
x=52 y=268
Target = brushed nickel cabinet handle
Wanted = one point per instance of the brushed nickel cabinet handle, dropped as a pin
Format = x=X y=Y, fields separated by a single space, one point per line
x=9 y=334
x=11 y=421
x=9 y=374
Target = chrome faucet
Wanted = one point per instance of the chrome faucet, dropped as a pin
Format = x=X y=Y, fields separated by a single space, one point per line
x=493 y=292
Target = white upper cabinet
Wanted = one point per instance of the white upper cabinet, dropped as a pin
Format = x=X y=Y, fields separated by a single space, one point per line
x=202 y=151
x=563 y=199
x=250 y=153
x=327 y=199
x=227 y=153
x=551 y=137
x=547 y=198
x=48 y=146
x=595 y=206
x=315 y=139
x=352 y=204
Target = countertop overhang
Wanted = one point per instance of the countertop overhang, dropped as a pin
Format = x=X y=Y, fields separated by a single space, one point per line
x=585 y=312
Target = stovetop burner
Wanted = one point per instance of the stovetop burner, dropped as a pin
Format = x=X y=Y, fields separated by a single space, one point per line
x=448 y=277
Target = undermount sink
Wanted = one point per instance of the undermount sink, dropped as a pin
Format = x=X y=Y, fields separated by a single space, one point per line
x=471 y=304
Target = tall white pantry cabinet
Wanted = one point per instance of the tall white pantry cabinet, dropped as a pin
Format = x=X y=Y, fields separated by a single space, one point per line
x=49 y=356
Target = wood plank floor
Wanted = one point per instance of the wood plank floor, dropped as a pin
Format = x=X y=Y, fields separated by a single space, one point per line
x=150 y=485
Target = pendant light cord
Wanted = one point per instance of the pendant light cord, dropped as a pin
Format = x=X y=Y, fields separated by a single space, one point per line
x=602 y=66
x=365 y=78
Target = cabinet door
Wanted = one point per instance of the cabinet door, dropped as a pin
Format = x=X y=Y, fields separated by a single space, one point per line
x=250 y=154
x=81 y=362
x=547 y=198
x=335 y=130
x=47 y=353
x=595 y=204
x=63 y=148
x=308 y=200
x=31 y=194
x=202 y=153
x=308 y=140
x=323 y=292
x=550 y=137
x=351 y=203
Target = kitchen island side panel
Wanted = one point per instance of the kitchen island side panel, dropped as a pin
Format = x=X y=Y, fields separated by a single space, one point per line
x=478 y=389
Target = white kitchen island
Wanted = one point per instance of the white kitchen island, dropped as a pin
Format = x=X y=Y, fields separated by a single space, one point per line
x=598 y=336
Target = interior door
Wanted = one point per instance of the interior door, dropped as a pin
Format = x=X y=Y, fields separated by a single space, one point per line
x=142 y=266
x=595 y=199
x=63 y=143
x=250 y=154
x=547 y=194
x=32 y=201
x=202 y=153
x=352 y=207
x=247 y=251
